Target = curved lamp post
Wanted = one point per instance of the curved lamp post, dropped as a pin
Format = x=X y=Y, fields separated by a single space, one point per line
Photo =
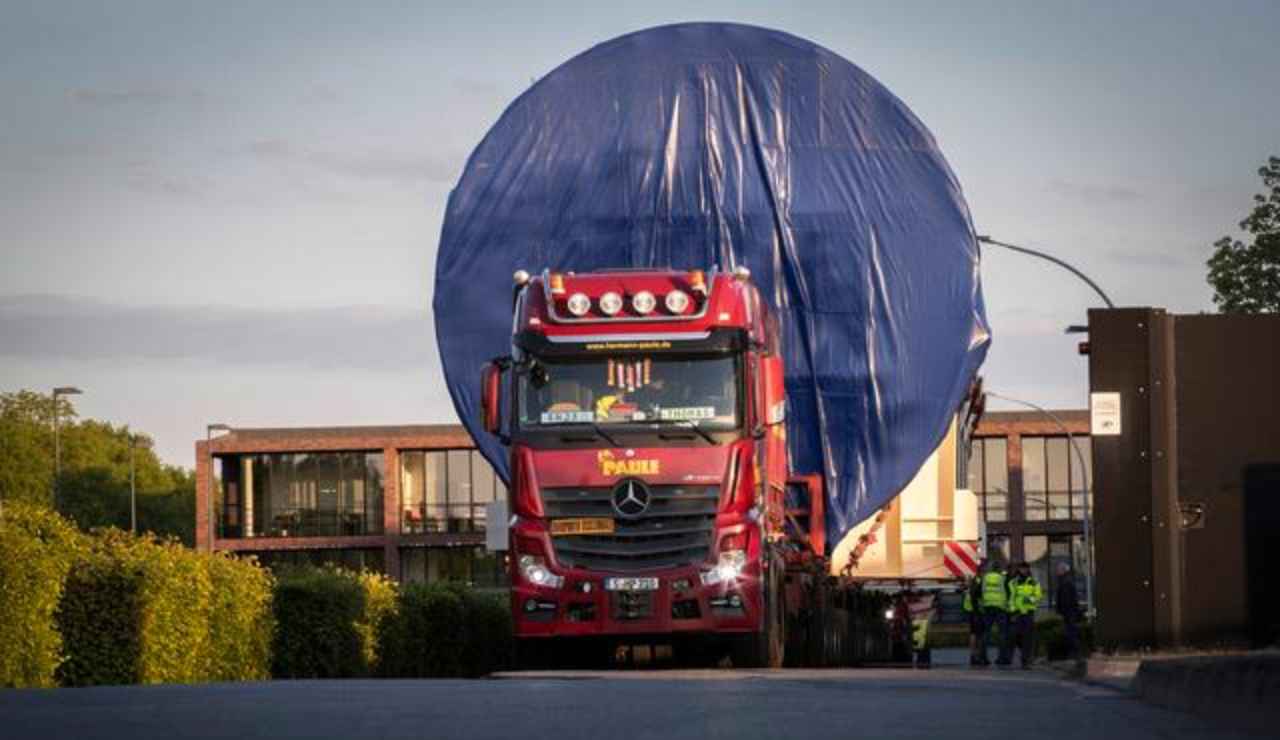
x=60 y=391
x=985 y=239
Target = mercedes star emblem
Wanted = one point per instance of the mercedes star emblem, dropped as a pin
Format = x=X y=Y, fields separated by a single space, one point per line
x=630 y=498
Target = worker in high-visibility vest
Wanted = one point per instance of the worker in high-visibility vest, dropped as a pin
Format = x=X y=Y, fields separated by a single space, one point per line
x=994 y=602
x=1024 y=599
x=972 y=592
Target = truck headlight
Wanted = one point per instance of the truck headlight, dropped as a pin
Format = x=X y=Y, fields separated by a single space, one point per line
x=610 y=303
x=644 y=302
x=535 y=571
x=579 y=304
x=677 y=301
x=727 y=569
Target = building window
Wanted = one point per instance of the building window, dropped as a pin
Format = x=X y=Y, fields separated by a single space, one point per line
x=1054 y=485
x=445 y=490
x=1045 y=552
x=370 y=559
x=989 y=476
x=471 y=565
x=326 y=494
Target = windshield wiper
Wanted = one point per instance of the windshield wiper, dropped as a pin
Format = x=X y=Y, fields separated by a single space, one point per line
x=602 y=433
x=593 y=426
x=691 y=424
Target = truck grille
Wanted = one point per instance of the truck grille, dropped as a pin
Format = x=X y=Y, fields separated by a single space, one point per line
x=675 y=530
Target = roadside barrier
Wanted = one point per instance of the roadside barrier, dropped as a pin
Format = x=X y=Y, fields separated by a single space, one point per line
x=1238 y=690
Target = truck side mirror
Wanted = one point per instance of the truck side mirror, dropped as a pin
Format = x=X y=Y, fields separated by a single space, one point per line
x=491 y=396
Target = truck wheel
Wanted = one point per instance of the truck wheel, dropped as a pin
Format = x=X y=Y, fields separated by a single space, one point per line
x=766 y=648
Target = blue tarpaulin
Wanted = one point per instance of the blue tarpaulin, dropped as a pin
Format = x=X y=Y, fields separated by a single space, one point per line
x=706 y=144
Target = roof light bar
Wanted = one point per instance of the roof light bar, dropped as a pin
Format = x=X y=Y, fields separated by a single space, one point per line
x=644 y=302
x=610 y=303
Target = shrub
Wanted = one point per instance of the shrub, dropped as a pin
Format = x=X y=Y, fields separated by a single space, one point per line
x=316 y=611
x=1051 y=638
x=37 y=550
x=241 y=621
x=446 y=630
x=381 y=601
x=329 y=621
x=135 y=610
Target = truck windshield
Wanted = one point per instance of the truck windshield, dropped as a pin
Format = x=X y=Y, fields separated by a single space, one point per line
x=701 y=390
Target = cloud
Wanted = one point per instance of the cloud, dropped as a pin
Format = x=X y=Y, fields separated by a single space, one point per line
x=135 y=96
x=169 y=186
x=1134 y=258
x=475 y=87
x=392 y=167
x=341 y=337
x=1094 y=195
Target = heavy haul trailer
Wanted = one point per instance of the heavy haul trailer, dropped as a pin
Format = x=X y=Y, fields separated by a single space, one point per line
x=651 y=489
x=685 y=445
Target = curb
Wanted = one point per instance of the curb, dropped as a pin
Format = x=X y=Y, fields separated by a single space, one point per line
x=1238 y=690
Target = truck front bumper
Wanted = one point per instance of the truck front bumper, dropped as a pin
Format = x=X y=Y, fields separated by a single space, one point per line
x=680 y=604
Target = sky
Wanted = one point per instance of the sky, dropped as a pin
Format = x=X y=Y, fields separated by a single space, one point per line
x=228 y=212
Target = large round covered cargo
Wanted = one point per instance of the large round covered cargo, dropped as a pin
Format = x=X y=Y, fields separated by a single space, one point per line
x=719 y=144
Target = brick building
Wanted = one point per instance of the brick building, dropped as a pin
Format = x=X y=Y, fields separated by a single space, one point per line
x=409 y=501
x=1034 y=488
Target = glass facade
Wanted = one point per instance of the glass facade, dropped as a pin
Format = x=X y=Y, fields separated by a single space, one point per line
x=469 y=564
x=1045 y=552
x=1054 y=484
x=315 y=494
x=372 y=559
x=989 y=476
x=445 y=491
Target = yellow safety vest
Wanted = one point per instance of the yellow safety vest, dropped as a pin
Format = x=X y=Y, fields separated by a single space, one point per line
x=993 y=590
x=1024 y=595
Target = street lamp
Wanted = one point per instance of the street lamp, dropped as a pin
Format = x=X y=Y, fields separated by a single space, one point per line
x=133 y=484
x=1084 y=512
x=983 y=238
x=208 y=451
x=58 y=392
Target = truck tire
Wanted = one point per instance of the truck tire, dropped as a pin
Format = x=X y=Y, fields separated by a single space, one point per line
x=767 y=647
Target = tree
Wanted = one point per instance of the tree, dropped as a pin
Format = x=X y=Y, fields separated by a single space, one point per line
x=94 y=489
x=26 y=445
x=1246 y=277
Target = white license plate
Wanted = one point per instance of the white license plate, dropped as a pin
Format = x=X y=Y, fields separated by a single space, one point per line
x=631 y=584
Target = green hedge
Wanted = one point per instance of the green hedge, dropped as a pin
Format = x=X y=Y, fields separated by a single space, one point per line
x=136 y=610
x=329 y=622
x=1051 y=638
x=446 y=630
x=241 y=622
x=139 y=610
x=113 y=608
x=37 y=550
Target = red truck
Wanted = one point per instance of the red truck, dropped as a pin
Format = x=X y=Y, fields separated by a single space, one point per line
x=650 y=487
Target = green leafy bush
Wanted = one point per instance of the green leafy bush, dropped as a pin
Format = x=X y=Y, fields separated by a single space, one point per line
x=1051 y=638
x=381 y=602
x=241 y=621
x=446 y=630
x=328 y=621
x=136 y=610
x=37 y=550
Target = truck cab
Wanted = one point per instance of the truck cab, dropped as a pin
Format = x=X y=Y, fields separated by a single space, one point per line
x=644 y=413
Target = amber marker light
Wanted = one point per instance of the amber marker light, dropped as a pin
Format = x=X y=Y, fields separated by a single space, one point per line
x=698 y=281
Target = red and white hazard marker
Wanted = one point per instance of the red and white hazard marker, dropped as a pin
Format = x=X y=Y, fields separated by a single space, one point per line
x=961 y=558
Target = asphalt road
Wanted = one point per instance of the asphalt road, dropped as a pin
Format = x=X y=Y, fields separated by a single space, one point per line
x=949 y=703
